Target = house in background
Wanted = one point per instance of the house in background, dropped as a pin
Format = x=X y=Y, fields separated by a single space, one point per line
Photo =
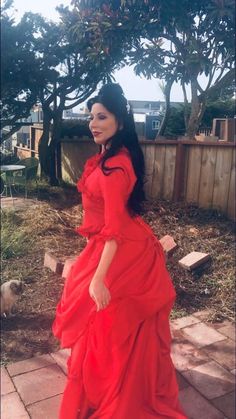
x=148 y=116
x=23 y=135
x=81 y=114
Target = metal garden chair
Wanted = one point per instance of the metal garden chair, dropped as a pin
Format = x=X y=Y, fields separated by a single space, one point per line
x=28 y=174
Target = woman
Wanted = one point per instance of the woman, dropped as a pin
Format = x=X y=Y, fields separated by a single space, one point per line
x=115 y=306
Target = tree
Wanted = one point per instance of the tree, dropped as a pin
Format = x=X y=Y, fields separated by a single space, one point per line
x=18 y=83
x=218 y=109
x=178 y=40
x=80 y=72
x=214 y=109
x=60 y=72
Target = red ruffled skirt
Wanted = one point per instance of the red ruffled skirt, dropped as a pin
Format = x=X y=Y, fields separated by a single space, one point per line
x=120 y=365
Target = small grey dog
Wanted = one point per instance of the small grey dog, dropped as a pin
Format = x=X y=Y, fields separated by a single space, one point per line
x=10 y=292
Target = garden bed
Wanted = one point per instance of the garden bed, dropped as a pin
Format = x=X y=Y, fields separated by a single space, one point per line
x=49 y=225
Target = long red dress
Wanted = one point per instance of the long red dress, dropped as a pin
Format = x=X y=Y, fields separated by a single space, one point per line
x=120 y=365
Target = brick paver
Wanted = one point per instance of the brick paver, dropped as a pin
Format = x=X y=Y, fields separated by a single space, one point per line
x=202 y=354
x=186 y=356
x=7 y=385
x=203 y=315
x=40 y=384
x=12 y=407
x=30 y=364
x=202 y=335
x=168 y=244
x=194 y=260
x=226 y=404
x=53 y=263
x=228 y=331
x=67 y=266
x=184 y=322
x=222 y=352
x=45 y=409
x=210 y=379
x=182 y=383
x=61 y=358
x=196 y=406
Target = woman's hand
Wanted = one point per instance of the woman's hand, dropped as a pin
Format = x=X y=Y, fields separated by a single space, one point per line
x=99 y=293
x=97 y=289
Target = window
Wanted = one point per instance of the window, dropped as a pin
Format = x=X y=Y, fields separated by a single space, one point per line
x=155 y=124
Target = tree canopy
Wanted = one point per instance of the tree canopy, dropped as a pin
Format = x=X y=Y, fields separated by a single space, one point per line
x=50 y=65
x=60 y=64
x=175 y=40
x=18 y=87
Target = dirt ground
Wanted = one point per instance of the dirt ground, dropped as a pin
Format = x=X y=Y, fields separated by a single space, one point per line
x=49 y=225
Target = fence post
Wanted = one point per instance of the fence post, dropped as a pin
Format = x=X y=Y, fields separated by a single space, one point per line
x=178 y=193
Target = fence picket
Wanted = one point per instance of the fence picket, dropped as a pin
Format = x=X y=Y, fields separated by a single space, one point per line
x=222 y=179
x=193 y=173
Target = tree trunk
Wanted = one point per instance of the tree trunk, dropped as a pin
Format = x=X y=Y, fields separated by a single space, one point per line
x=194 y=118
x=43 y=144
x=167 y=108
x=186 y=106
x=56 y=132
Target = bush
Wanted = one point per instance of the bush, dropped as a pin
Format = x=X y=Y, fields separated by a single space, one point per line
x=8 y=157
x=175 y=124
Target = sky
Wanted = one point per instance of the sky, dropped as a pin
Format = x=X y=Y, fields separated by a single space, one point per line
x=134 y=87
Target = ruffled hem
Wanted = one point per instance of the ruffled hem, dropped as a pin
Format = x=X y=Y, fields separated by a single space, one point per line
x=84 y=232
x=111 y=236
x=100 y=235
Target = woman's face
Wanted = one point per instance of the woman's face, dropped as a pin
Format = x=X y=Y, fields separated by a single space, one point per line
x=103 y=124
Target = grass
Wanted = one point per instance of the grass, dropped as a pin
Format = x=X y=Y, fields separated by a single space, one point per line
x=15 y=238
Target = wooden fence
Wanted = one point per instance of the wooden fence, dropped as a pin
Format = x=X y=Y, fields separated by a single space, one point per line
x=202 y=173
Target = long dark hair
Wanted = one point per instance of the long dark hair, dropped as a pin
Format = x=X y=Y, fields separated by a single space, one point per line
x=111 y=96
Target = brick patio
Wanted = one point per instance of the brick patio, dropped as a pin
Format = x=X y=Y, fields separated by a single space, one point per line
x=203 y=355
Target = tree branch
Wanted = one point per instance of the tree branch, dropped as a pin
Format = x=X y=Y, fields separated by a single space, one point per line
x=81 y=99
x=12 y=131
x=219 y=84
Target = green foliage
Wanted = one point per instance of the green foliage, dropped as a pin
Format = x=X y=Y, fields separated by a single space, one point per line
x=174 y=40
x=18 y=88
x=175 y=125
x=30 y=59
x=218 y=109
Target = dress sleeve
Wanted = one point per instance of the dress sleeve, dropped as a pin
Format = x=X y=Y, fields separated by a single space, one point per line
x=115 y=189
